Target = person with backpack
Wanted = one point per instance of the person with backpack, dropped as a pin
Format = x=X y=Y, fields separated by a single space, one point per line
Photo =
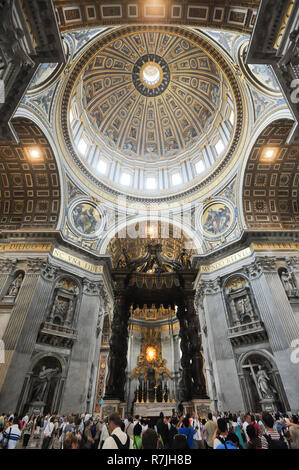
x=136 y=437
x=150 y=439
x=188 y=431
x=293 y=427
x=209 y=431
x=11 y=435
x=129 y=427
x=28 y=430
x=278 y=426
x=117 y=439
x=66 y=426
x=104 y=433
x=88 y=435
x=254 y=441
x=38 y=425
x=271 y=439
x=236 y=428
x=173 y=430
x=162 y=429
x=48 y=433
x=230 y=443
x=220 y=433
x=197 y=438
x=180 y=442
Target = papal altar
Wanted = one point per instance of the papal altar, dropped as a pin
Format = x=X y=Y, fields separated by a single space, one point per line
x=154 y=409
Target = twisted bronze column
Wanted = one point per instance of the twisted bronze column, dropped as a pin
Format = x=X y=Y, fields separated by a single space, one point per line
x=117 y=360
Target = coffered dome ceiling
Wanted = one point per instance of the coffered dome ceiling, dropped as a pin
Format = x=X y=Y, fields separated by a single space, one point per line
x=151 y=110
x=151 y=95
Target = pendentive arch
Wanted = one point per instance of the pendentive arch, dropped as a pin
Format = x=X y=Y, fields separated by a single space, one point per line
x=187 y=233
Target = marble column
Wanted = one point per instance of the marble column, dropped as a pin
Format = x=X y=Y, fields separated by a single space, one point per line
x=103 y=308
x=78 y=382
x=211 y=387
x=280 y=323
x=7 y=268
x=225 y=372
x=21 y=332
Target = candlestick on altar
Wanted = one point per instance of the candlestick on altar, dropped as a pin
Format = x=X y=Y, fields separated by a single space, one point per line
x=173 y=399
x=137 y=398
x=155 y=400
x=147 y=396
x=142 y=392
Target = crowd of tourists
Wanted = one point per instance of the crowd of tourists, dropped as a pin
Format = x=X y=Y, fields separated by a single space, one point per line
x=180 y=431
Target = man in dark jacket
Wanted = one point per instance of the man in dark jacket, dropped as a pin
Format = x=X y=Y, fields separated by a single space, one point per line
x=162 y=428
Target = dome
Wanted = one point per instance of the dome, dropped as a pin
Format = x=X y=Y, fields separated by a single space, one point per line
x=151 y=111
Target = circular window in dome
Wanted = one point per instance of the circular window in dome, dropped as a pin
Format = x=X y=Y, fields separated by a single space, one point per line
x=151 y=75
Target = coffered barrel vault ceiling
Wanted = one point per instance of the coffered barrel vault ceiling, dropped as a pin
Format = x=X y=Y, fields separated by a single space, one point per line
x=271 y=190
x=238 y=15
x=29 y=180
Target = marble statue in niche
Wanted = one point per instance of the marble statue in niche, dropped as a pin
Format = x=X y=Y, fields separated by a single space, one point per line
x=288 y=282
x=64 y=302
x=239 y=301
x=42 y=382
x=15 y=286
x=261 y=384
x=264 y=383
x=59 y=309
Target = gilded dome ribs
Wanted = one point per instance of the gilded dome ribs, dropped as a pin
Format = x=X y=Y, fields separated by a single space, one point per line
x=126 y=127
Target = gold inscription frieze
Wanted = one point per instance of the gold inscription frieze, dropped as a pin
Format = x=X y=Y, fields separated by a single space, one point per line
x=261 y=246
x=30 y=246
x=226 y=261
x=80 y=263
x=167 y=327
